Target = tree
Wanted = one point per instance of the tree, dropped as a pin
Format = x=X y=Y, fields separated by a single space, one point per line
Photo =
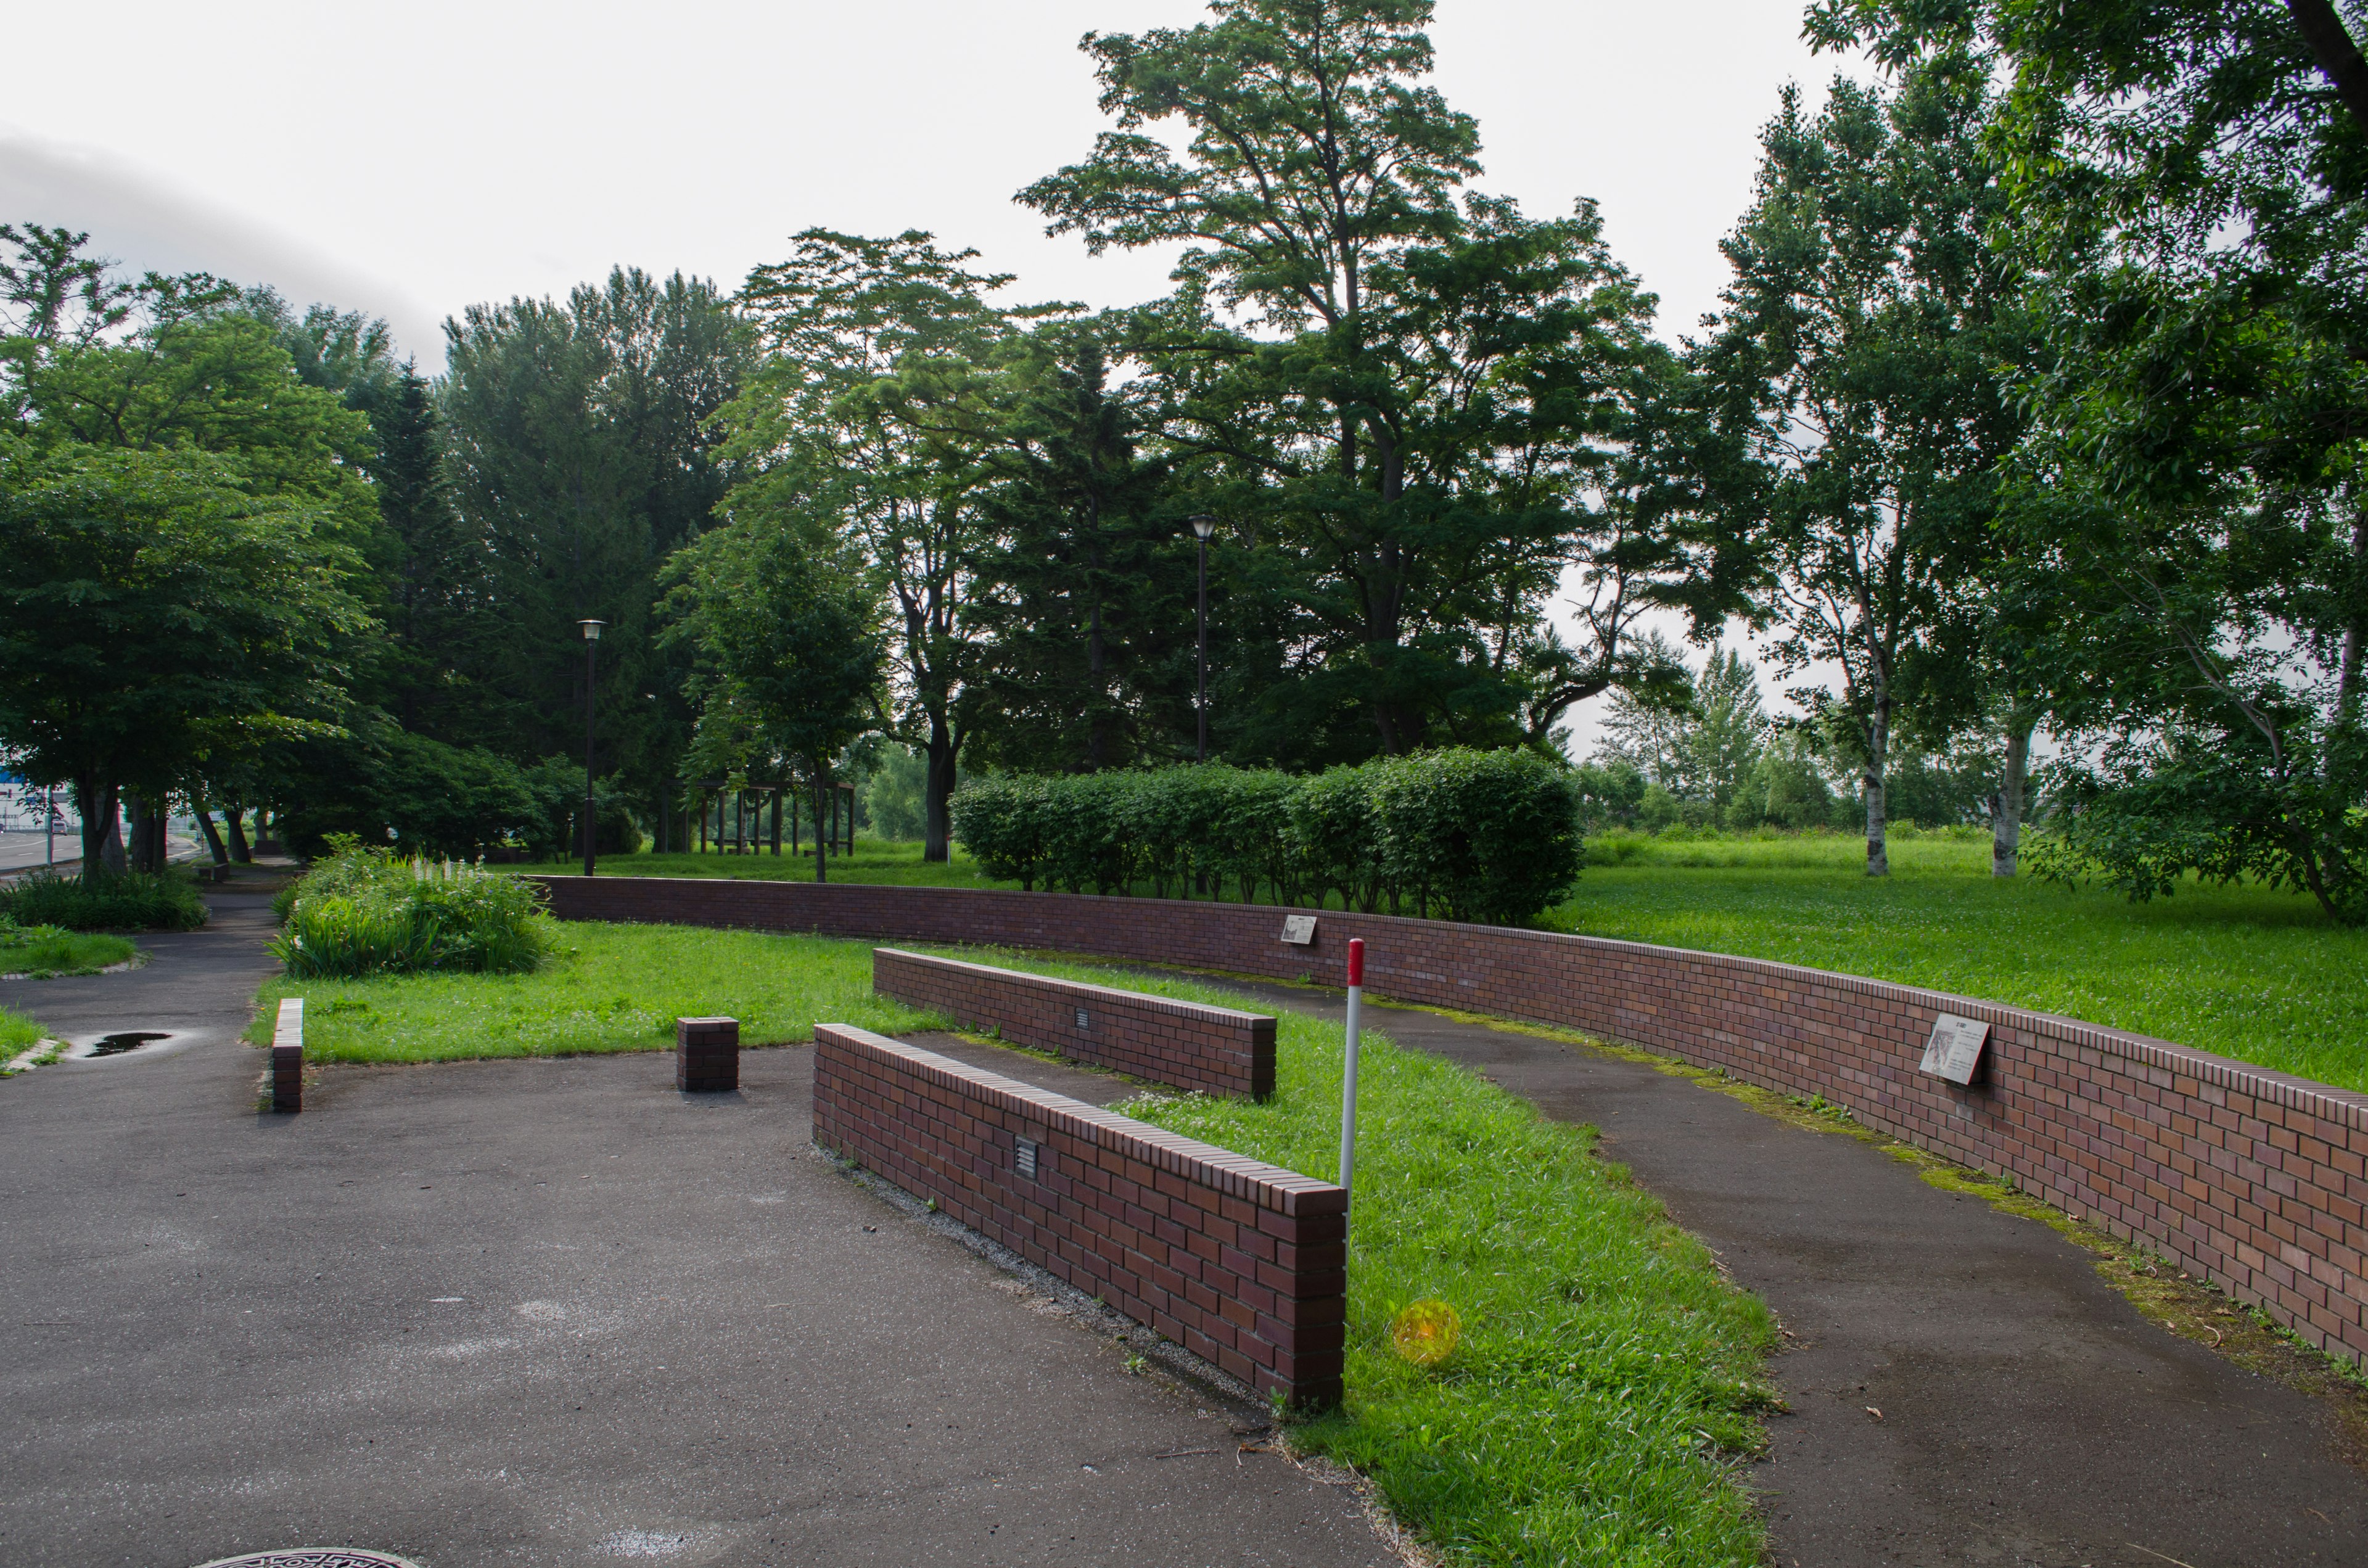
x=870 y=403
x=154 y=608
x=786 y=636
x=581 y=455
x=2188 y=180
x=1405 y=393
x=1859 y=345
x=1706 y=749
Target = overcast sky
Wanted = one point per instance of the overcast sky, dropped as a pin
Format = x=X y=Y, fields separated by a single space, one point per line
x=410 y=160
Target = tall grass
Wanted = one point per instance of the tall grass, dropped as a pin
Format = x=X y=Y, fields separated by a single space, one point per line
x=121 y=900
x=17 y=1033
x=365 y=912
x=1606 y=1379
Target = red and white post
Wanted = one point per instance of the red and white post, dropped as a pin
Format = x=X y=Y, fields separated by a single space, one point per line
x=1349 y=1066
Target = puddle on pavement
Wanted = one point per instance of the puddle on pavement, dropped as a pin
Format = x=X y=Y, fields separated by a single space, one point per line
x=116 y=1044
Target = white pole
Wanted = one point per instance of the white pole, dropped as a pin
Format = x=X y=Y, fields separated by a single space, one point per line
x=48 y=827
x=1348 y=1073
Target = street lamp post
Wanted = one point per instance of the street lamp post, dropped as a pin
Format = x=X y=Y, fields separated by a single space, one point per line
x=591 y=653
x=1204 y=525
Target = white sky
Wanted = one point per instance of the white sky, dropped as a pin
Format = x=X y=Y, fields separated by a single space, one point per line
x=409 y=160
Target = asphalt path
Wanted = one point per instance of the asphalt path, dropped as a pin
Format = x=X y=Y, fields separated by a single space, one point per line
x=2029 y=1415
x=545 y=1313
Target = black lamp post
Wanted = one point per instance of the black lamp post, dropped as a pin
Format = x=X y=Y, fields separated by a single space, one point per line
x=1204 y=525
x=591 y=652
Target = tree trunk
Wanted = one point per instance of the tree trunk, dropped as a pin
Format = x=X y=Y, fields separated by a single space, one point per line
x=2006 y=805
x=142 y=855
x=213 y=840
x=241 y=854
x=96 y=804
x=938 y=792
x=821 y=873
x=2347 y=679
x=1878 y=859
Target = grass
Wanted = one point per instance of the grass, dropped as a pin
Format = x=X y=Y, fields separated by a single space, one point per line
x=605 y=988
x=17 y=1033
x=55 y=953
x=1607 y=1379
x=2257 y=975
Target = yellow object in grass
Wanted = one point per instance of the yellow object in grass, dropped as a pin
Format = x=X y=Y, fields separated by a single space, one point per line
x=1426 y=1333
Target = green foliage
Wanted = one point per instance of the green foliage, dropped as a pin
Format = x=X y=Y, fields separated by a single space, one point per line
x=19 y=1033
x=602 y=988
x=1489 y=836
x=363 y=912
x=894 y=801
x=2185 y=808
x=109 y=900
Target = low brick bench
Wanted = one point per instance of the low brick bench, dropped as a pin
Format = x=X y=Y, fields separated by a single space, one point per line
x=1242 y=1263
x=1182 y=1044
x=287 y=1056
x=706 y=1055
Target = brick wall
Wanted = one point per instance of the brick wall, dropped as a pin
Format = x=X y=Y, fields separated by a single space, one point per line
x=2255 y=1179
x=1182 y=1044
x=1242 y=1263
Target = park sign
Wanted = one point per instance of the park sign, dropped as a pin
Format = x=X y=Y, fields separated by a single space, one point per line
x=1954 y=1051
x=1299 y=929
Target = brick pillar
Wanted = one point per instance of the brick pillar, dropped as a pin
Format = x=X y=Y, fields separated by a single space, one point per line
x=706 y=1054
x=287 y=1056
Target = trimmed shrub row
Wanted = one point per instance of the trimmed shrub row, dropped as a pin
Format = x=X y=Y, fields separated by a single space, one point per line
x=1490 y=837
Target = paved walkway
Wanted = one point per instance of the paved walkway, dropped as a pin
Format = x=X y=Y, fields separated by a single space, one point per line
x=2029 y=1414
x=544 y=1313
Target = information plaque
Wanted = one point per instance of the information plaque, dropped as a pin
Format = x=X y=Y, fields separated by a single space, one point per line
x=1299 y=929
x=1954 y=1051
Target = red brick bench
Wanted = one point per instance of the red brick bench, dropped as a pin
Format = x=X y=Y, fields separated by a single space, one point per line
x=1242 y=1263
x=1182 y=1044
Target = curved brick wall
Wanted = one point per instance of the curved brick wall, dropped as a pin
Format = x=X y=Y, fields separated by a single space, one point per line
x=2253 y=1178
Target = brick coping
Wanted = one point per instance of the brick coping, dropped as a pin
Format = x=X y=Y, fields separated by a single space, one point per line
x=1230 y=1016
x=1255 y=1182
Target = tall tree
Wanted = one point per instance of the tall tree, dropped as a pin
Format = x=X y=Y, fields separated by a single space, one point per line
x=1860 y=345
x=581 y=455
x=872 y=400
x=2189 y=181
x=153 y=610
x=1406 y=393
x=785 y=632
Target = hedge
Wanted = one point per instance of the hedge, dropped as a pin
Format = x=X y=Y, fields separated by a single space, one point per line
x=1490 y=837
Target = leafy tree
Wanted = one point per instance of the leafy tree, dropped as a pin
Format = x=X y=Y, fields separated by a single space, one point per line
x=1706 y=749
x=872 y=401
x=1403 y=393
x=786 y=634
x=154 y=608
x=2188 y=180
x=580 y=456
x=1861 y=343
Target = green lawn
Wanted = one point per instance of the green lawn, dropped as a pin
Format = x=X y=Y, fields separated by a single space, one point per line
x=71 y=952
x=2253 y=974
x=2260 y=976
x=606 y=988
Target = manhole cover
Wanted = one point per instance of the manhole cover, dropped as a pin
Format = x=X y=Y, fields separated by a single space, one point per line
x=116 y=1044
x=313 y=1557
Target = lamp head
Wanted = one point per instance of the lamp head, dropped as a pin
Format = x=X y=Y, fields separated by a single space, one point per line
x=1204 y=525
x=591 y=630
